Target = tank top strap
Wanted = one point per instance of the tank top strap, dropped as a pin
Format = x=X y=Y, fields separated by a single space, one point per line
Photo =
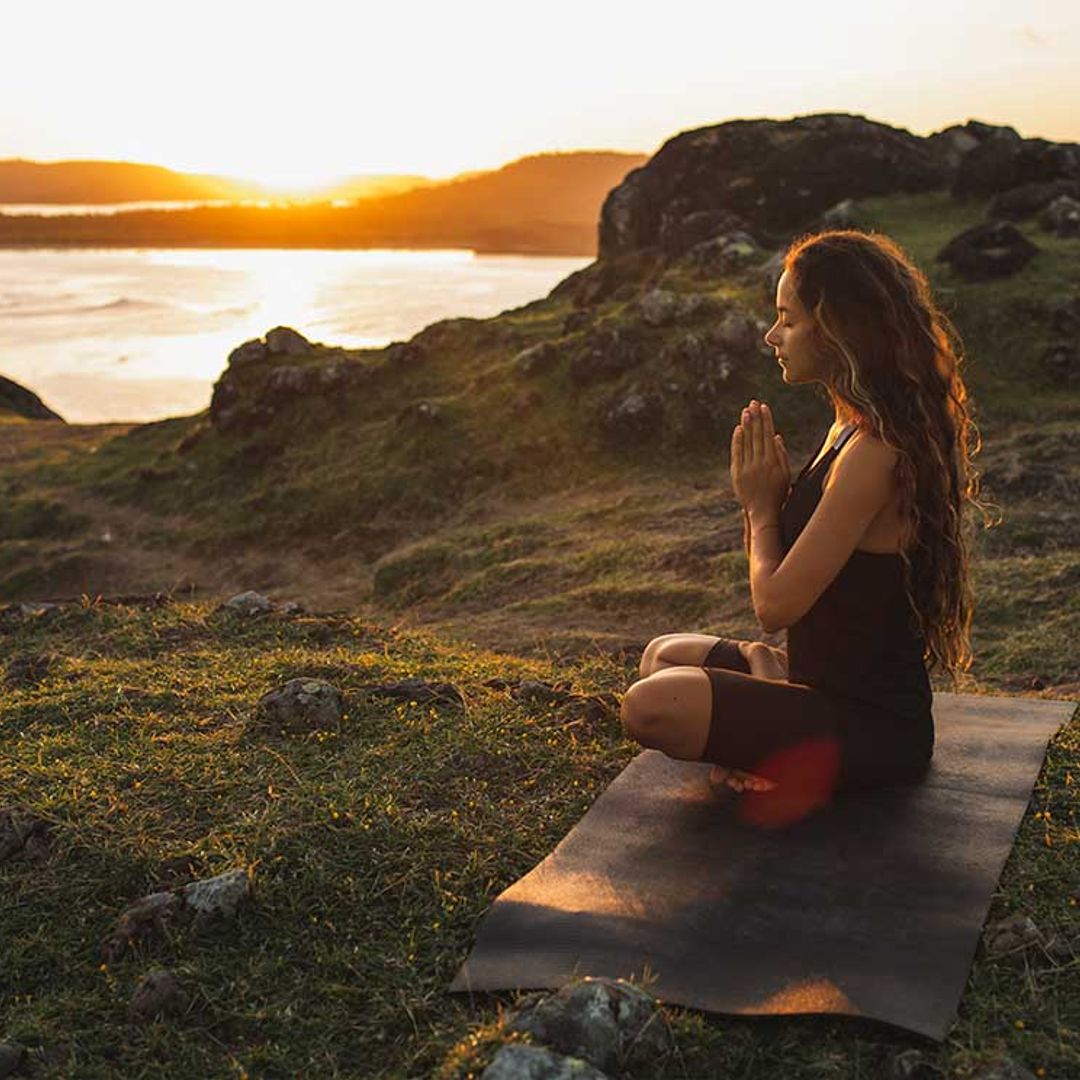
x=845 y=433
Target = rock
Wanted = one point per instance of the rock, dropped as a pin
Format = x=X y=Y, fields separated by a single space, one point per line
x=770 y=272
x=682 y=227
x=15 y=398
x=145 y=919
x=741 y=334
x=1005 y=161
x=196 y=905
x=1011 y=934
x=23 y=833
x=989 y=249
x=605 y=353
x=251 y=352
x=723 y=254
x=217 y=898
x=1003 y=1068
x=1062 y=216
x=537 y=359
x=535 y=692
x=12 y=1057
x=841 y=216
x=772 y=175
x=520 y=1062
x=610 y=1023
x=577 y=320
x=256 y=387
x=28 y=669
x=1025 y=199
x=1065 y=316
x=302 y=705
x=286 y=341
x=658 y=307
x=248 y=603
x=1061 y=361
x=988 y=167
x=417 y=690
x=405 y=354
x=634 y=416
x=292 y=607
x=661 y=307
x=951 y=144
x=158 y=993
x=423 y=412
x=909 y=1065
x=603 y=279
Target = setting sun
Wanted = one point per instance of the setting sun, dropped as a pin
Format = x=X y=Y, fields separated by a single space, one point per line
x=296 y=98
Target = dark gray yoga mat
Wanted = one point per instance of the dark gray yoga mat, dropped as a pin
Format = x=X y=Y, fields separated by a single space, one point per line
x=869 y=906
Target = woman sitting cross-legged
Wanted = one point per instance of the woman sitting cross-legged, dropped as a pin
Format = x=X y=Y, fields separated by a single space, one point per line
x=863 y=560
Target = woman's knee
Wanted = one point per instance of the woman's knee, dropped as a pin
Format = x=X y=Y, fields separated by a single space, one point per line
x=647 y=665
x=640 y=712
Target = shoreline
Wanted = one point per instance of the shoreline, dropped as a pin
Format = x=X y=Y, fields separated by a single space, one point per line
x=270 y=245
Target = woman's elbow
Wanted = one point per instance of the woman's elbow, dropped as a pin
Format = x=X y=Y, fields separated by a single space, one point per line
x=774 y=619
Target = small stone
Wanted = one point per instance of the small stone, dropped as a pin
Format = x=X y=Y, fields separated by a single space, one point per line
x=28 y=669
x=12 y=1057
x=140 y=921
x=217 y=897
x=302 y=705
x=520 y=1062
x=248 y=603
x=536 y=359
x=909 y=1065
x=1011 y=934
x=158 y=993
x=292 y=607
x=1003 y=1068
x=658 y=307
x=414 y=689
x=611 y=1023
x=22 y=833
x=1062 y=216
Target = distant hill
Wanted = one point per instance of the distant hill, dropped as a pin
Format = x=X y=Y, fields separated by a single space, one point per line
x=104 y=182
x=544 y=203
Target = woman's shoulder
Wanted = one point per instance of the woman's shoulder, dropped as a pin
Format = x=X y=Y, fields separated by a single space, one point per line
x=864 y=459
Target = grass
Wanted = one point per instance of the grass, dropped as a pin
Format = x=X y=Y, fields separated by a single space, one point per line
x=378 y=844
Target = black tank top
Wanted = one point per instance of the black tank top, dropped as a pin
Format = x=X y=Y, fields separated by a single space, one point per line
x=856 y=640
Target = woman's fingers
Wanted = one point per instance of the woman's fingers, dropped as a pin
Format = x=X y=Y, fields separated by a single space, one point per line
x=737 y=445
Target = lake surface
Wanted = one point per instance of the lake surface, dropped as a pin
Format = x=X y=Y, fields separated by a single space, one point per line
x=136 y=335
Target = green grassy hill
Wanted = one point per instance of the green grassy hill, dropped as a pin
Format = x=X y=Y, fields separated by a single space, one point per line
x=477 y=515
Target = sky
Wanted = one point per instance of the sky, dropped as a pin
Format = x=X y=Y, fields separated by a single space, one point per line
x=298 y=94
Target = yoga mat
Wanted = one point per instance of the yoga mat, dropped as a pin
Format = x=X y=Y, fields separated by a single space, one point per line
x=871 y=905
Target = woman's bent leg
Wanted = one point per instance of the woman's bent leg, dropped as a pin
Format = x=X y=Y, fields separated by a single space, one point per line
x=690 y=650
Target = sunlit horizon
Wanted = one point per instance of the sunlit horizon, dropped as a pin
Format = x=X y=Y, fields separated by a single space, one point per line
x=253 y=92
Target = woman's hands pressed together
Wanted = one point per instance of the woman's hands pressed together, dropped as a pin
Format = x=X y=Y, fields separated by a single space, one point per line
x=760 y=471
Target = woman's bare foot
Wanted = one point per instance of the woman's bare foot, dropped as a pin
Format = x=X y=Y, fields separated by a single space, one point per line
x=738 y=780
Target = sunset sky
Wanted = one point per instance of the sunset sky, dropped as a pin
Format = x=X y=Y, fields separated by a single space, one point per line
x=303 y=93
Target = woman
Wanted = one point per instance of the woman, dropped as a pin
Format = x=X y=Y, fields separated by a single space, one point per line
x=864 y=560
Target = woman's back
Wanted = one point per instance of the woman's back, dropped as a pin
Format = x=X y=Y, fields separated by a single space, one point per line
x=857 y=639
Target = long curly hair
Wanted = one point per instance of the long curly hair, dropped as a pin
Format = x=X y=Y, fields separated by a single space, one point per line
x=893 y=361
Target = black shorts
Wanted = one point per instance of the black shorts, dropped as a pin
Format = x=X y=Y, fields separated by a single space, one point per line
x=777 y=729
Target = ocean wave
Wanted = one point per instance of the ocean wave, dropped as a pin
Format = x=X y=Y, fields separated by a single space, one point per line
x=121 y=303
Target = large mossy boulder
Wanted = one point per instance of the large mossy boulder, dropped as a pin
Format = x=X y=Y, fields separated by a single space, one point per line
x=763 y=177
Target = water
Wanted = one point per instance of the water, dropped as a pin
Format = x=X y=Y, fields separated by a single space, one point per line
x=136 y=335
